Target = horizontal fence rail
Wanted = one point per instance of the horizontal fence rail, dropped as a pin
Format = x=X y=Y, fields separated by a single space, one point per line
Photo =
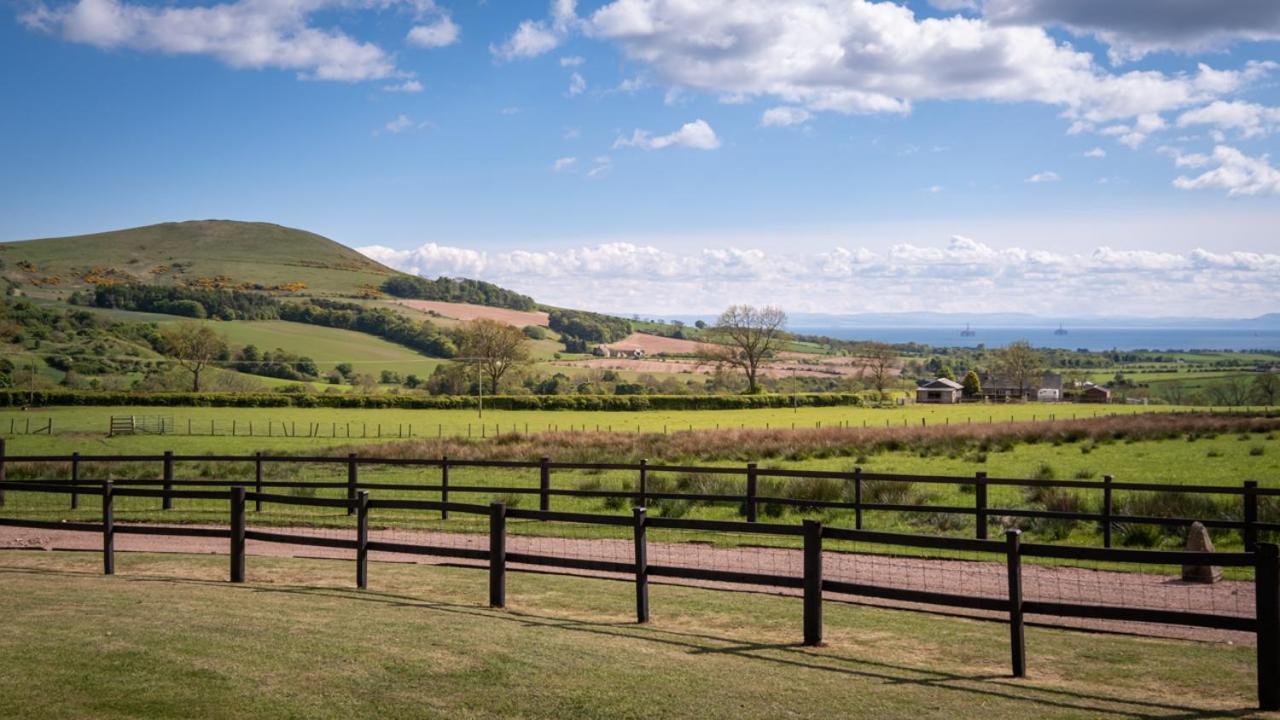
x=1246 y=520
x=1265 y=560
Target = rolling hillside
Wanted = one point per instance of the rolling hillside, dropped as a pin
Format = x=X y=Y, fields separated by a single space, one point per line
x=223 y=252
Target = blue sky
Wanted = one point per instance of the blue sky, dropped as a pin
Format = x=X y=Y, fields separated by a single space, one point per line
x=656 y=156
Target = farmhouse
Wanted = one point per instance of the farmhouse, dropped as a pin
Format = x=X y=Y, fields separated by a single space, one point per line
x=1001 y=389
x=941 y=391
x=1095 y=394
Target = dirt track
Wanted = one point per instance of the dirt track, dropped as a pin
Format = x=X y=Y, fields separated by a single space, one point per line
x=967 y=577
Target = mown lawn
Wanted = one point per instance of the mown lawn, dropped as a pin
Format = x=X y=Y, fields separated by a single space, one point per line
x=167 y=637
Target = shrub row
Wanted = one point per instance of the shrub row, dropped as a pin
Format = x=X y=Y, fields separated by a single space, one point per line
x=14 y=398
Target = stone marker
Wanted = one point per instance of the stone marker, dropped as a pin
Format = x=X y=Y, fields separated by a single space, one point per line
x=1198 y=540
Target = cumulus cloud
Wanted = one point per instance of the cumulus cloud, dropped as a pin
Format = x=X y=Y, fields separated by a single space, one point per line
x=243 y=34
x=1095 y=153
x=572 y=61
x=441 y=33
x=697 y=135
x=1047 y=176
x=538 y=37
x=577 y=85
x=784 y=116
x=1248 y=119
x=563 y=164
x=626 y=277
x=1237 y=173
x=1134 y=28
x=858 y=56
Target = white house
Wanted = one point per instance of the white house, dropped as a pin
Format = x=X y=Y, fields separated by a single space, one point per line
x=941 y=391
x=1048 y=394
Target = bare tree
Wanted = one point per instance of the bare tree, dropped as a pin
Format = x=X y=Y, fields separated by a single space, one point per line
x=1020 y=364
x=1266 y=388
x=745 y=336
x=493 y=346
x=1233 y=390
x=878 y=362
x=193 y=346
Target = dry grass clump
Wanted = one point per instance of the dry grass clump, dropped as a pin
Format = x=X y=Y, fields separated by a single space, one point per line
x=755 y=444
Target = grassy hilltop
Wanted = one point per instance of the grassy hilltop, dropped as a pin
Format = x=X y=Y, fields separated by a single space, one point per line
x=169 y=253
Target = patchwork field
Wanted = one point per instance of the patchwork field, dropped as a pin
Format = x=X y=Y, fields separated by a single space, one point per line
x=466 y=311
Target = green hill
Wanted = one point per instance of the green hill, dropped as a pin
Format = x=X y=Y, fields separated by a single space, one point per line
x=218 y=253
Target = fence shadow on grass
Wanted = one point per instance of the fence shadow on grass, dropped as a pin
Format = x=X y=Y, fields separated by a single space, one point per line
x=995 y=687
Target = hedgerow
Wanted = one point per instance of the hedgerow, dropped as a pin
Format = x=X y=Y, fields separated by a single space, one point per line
x=14 y=398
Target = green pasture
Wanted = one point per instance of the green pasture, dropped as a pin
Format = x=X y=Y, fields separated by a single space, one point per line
x=85 y=428
x=1224 y=459
x=168 y=637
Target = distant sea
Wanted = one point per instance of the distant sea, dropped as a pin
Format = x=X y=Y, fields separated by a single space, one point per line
x=1076 y=338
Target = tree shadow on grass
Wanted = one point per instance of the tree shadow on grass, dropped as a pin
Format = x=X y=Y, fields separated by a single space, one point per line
x=825 y=659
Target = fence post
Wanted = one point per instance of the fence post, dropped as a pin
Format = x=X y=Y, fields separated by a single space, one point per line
x=362 y=539
x=752 y=482
x=351 y=483
x=1017 y=636
x=980 y=499
x=3 y=477
x=257 y=480
x=444 y=485
x=857 y=498
x=75 y=479
x=1107 y=510
x=544 y=484
x=642 y=566
x=812 y=582
x=166 y=502
x=1267 y=598
x=1250 y=531
x=497 y=555
x=642 y=497
x=108 y=531
x=237 y=534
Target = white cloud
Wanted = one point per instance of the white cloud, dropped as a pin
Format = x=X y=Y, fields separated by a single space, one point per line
x=1095 y=153
x=572 y=61
x=441 y=33
x=1237 y=173
x=1134 y=28
x=530 y=39
x=935 y=189
x=785 y=116
x=975 y=276
x=600 y=166
x=242 y=34
x=577 y=84
x=1044 y=177
x=537 y=37
x=563 y=164
x=697 y=135
x=399 y=125
x=1248 y=119
x=408 y=86
x=858 y=56
x=1181 y=159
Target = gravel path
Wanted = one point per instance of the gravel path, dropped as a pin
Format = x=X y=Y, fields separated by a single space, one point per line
x=961 y=576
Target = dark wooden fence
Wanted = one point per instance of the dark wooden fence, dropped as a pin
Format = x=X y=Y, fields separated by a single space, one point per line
x=1244 y=496
x=1265 y=560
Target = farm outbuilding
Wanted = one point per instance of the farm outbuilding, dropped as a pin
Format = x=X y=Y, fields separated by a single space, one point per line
x=1095 y=394
x=940 y=391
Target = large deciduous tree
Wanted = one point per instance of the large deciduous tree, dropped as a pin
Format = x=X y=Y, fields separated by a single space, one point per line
x=492 y=346
x=1019 y=364
x=746 y=336
x=877 y=365
x=193 y=346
